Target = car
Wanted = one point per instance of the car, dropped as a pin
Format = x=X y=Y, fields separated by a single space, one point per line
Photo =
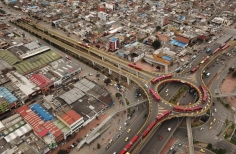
x=210 y=128
x=167 y=90
x=126 y=139
x=169 y=129
x=128 y=130
x=171 y=148
x=78 y=139
x=180 y=144
x=201 y=128
x=202 y=150
x=167 y=94
x=211 y=123
x=90 y=74
x=184 y=95
x=75 y=144
x=215 y=110
x=174 y=152
x=120 y=128
x=160 y=138
x=214 y=120
x=110 y=141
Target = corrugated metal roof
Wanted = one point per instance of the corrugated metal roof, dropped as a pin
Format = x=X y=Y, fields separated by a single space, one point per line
x=39 y=110
x=5 y=93
x=69 y=116
x=40 y=80
x=40 y=127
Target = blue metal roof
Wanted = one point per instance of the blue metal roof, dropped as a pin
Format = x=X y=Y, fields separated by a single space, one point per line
x=178 y=43
x=114 y=39
x=5 y=93
x=41 y=112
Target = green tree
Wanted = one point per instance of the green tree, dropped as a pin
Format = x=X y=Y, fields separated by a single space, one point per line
x=156 y=44
x=227 y=105
x=118 y=95
x=234 y=74
x=107 y=81
x=98 y=146
x=62 y=152
x=209 y=146
x=158 y=28
x=221 y=151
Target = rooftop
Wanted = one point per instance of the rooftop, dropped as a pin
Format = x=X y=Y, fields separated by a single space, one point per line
x=40 y=127
x=69 y=116
x=41 y=112
x=40 y=80
x=5 y=93
x=22 y=83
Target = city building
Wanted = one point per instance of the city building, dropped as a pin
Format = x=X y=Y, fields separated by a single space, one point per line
x=42 y=81
x=71 y=119
x=47 y=131
x=114 y=44
x=28 y=89
x=9 y=97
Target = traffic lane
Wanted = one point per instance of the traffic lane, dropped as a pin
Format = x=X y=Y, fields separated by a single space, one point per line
x=172 y=89
x=154 y=142
x=231 y=149
x=120 y=143
x=189 y=98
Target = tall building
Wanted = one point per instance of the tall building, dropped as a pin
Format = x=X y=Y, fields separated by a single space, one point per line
x=114 y=44
x=164 y=20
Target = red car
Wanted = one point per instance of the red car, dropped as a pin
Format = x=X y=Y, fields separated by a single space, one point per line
x=160 y=138
x=184 y=95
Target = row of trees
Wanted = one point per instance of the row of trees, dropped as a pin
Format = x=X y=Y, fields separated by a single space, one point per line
x=215 y=150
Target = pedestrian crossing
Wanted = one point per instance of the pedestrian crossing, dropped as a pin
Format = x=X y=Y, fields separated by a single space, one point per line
x=192 y=77
x=161 y=109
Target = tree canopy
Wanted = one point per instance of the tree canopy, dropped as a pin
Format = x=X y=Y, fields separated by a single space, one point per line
x=156 y=44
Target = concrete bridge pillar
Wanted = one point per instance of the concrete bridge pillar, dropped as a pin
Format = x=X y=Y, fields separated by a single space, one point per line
x=128 y=80
x=166 y=69
x=109 y=71
x=137 y=73
x=93 y=63
x=103 y=58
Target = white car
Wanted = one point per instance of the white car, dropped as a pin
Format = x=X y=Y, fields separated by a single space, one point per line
x=167 y=90
x=169 y=129
x=90 y=74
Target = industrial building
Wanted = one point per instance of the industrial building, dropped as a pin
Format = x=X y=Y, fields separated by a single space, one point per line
x=47 y=131
x=71 y=119
x=42 y=81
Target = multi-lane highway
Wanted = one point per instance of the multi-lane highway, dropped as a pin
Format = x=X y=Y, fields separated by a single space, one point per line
x=140 y=77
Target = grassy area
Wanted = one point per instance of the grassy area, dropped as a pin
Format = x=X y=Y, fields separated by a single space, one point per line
x=229 y=131
x=197 y=123
x=179 y=94
x=233 y=141
x=16 y=34
x=127 y=103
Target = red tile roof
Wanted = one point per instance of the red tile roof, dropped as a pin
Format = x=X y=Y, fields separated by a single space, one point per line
x=40 y=127
x=69 y=116
x=40 y=80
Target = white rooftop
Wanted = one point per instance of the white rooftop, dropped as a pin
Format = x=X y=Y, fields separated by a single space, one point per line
x=25 y=85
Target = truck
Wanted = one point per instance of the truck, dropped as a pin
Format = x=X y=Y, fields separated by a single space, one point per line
x=208 y=50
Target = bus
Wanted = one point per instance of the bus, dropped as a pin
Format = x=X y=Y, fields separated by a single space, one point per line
x=204 y=97
x=226 y=46
x=136 y=67
x=178 y=109
x=157 y=98
x=197 y=108
x=195 y=69
x=216 y=50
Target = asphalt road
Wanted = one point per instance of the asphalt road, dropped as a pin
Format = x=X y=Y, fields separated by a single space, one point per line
x=119 y=144
x=154 y=144
x=169 y=90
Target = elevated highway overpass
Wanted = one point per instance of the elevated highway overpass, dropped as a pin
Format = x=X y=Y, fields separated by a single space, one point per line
x=114 y=64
